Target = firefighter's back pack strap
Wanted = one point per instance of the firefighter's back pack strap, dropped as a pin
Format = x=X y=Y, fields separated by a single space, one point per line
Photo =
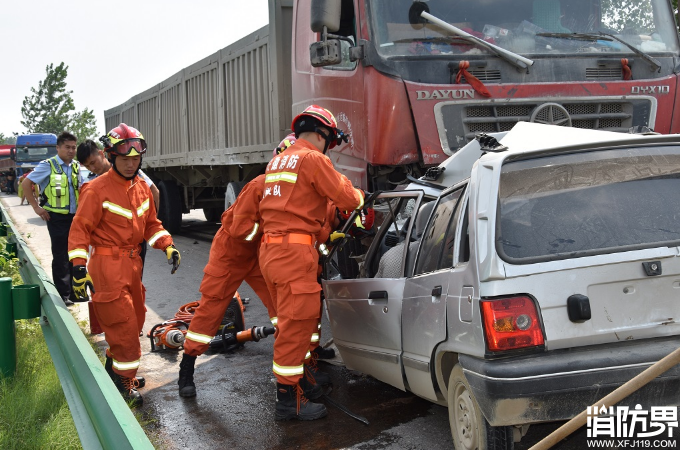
x=290 y=238
x=130 y=252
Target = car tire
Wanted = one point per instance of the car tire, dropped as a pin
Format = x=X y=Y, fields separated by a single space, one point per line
x=170 y=211
x=213 y=214
x=232 y=191
x=469 y=428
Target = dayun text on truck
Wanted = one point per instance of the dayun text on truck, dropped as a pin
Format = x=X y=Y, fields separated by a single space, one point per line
x=400 y=85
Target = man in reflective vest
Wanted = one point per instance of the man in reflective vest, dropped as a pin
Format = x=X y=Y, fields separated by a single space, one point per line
x=233 y=259
x=116 y=213
x=298 y=185
x=59 y=181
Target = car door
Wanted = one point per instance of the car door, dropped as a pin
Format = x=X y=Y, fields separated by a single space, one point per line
x=365 y=312
x=435 y=284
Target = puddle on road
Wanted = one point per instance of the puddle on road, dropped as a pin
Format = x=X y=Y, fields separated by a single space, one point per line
x=235 y=408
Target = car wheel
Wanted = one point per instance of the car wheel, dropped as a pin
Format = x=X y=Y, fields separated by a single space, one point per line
x=233 y=189
x=170 y=211
x=469 y=428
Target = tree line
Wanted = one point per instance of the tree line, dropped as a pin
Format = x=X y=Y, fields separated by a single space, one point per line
x=50 y=109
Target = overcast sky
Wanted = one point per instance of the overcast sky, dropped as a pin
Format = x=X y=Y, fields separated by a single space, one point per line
x=113 y=50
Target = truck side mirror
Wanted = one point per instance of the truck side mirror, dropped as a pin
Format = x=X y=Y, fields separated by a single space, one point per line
x=325 y=13
x=12 y=153
x=325 y=53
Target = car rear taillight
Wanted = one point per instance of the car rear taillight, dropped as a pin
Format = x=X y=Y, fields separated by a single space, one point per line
x=511 y=323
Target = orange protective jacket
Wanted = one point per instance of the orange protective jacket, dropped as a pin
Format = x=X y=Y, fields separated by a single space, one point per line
x=298 y=184
x=241 y=223
x=243 y=218
x=233 y=259
x=115 y=212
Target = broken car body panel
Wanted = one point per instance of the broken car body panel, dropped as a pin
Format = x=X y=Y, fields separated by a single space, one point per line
x=578 y=226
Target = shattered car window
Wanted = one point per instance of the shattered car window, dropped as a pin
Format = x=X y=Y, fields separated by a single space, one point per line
x=380 y=252
x=588 y=203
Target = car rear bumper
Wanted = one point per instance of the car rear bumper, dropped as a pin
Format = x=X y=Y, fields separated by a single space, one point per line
x=560 y=384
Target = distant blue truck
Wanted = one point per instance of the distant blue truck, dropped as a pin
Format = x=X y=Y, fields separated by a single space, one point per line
x=30 y=149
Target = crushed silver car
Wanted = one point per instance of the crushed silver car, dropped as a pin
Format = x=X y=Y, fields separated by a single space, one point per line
x=531 y=275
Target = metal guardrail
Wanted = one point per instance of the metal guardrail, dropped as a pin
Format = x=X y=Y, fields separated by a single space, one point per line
x=101 y=416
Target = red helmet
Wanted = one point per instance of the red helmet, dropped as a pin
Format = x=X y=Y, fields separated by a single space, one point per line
x=124 y=141
x=285 y=143
x=325 y=118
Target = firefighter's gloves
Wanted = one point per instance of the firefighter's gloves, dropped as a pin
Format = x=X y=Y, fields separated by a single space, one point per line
x=173 y=257
x=81 y=281
x=336 y=236
x=365 y=218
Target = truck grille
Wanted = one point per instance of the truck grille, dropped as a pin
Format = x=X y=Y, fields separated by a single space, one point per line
x=484 y=75
x=604 y=73
x=462 y=122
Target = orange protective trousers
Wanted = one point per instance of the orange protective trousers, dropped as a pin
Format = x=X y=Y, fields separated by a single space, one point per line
x=290 y=271
x=231 y=262
x=118 y=301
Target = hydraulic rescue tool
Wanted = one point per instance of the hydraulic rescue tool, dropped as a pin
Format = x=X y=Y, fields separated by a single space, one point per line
x=228 y=340
x=232 y=333
x=168 y=334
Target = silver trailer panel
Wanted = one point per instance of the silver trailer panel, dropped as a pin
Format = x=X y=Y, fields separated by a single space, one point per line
x=232 y=107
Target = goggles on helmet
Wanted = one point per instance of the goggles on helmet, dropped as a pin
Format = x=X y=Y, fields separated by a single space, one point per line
x=129 y=147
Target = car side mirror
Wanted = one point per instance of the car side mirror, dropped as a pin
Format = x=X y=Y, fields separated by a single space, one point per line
x=325 y=13
x=325 y=53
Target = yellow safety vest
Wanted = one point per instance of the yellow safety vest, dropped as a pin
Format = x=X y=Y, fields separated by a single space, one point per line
x=57 y=191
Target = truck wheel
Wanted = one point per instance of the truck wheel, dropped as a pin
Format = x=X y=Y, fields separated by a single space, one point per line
x=233 y=189
x=469 y=428
x=212 y=214
x=170 y=211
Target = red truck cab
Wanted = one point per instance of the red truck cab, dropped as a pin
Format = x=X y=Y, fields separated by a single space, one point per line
x=398 y=86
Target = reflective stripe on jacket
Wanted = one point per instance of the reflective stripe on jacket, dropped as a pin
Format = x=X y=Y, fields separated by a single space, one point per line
x=114 y=212
x=298 y=184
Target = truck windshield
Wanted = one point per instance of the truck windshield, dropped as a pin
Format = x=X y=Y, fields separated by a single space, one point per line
x=26 y=154
x=533 y=27
x=582 y=204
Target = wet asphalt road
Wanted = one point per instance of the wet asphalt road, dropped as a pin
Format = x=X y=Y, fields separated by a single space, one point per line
x=235 y=401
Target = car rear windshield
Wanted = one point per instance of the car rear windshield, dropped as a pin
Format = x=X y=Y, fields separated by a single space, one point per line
x=588 y=203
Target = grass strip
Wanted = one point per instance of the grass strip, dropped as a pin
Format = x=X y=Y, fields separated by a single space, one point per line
x=34 y=412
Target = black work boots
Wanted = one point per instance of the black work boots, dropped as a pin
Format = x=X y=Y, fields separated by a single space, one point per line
x=141 y=382
x=314 y=375
x=187 y=388
x=324 y=353
x=128 y=387
x=291 y=403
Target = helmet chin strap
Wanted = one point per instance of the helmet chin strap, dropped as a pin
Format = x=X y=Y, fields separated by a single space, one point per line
x=113 y=163
x=327 y=139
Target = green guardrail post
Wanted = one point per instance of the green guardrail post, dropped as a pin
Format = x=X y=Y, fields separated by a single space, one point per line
x=8 y=341
x=26 y=301
x=11 y=249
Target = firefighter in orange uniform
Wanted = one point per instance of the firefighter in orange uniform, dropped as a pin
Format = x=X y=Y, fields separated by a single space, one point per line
x=298 y=185
x=316 y=351
x=233 y=259
x=115 y=214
